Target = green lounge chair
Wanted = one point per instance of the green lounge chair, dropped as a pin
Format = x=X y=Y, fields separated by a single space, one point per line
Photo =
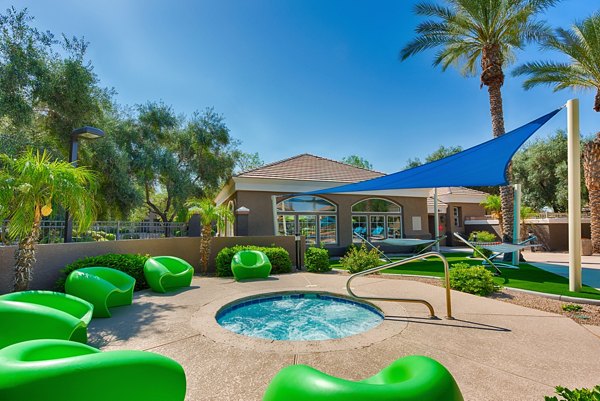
x=412 y=378
x=77 y=307
x=103 y=287
x=250 y=264
x=43 y=370
x=167 y=273
x=22 y=321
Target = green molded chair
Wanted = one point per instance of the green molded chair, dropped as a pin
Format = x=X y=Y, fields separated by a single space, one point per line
x=42 y=370
x=103 y=287
x=167 y=273
x=250 y=264
x=22 y=321
x=77 y=307
x=412 y=378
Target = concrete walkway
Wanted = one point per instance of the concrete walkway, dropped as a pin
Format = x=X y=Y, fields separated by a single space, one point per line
x=495 y=350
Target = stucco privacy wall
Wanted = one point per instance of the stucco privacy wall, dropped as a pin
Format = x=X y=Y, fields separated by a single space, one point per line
x=554 y=234
x=51 y=258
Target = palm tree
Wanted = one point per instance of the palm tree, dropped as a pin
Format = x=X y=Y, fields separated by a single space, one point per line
x=582 y=45
x=209 y=213
x=29 y=186
x=485 y=33
x=493 y=205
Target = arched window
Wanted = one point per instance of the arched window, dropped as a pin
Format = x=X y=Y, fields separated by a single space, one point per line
x=376 y=219
x=311 y=216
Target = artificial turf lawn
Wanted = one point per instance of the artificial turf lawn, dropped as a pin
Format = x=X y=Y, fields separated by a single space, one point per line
x=527 y=277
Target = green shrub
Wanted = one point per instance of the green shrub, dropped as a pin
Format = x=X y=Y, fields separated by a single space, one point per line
x=579 y=394
x=472 y=279
x=482 y=236
x=571 y=307
x=279 y=258
x=127 y=263
x=317 y=260
x=359 y=259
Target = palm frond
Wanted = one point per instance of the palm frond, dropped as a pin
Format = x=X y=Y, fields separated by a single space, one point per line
x=433 y=10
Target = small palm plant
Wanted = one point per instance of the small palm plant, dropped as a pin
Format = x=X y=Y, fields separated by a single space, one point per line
x=29 y=186
x=493 y=205
x=209 y=213
x=581 y=44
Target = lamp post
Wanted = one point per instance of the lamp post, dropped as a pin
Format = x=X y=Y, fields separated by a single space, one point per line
x=79 y=133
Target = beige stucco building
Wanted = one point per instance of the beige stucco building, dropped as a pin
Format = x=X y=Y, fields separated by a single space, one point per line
x=267 y=202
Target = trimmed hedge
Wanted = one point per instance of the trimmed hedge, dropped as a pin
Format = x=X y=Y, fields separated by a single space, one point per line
x=127 y=263
x=317 y=260
x=279 y=258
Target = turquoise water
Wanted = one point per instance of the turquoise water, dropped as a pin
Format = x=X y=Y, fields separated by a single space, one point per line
x=299 y=317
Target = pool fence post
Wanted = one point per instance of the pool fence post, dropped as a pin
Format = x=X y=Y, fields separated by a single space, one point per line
x=436 y=219
x=516 y=223
x=574 y=185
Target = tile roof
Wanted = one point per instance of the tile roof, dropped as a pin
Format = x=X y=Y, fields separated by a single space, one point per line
x=458 y=191
x=308 y=167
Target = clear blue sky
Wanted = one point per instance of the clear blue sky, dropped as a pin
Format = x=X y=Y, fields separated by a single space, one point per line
x=296 y=76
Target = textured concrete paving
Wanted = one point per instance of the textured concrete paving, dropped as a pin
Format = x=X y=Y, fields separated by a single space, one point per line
x=495 y=350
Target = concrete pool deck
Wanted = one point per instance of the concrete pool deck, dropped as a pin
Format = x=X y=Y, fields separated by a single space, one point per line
x=495 y=350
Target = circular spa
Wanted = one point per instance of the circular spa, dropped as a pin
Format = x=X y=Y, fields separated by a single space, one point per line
x=301 y=316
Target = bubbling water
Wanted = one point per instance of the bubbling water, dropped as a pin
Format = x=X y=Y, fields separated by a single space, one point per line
x=299 y=317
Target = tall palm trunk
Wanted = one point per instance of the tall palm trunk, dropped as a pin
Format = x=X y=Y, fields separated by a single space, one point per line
x=205 y=241
x=591 y=168
x=25 y=255
x=493 y=77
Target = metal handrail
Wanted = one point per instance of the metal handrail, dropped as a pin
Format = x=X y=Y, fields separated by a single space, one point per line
x=408 y=300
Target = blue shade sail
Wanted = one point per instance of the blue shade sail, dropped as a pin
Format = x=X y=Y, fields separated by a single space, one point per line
x=481 y=165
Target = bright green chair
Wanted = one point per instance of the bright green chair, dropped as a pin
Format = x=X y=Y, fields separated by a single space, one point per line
x=412 y=378
x=103 y=287
x=167 y=273
x=77 y=307
x=22 y=321
x=250 y=264
x=43 y=370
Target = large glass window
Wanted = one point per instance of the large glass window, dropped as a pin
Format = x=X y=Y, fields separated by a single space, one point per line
x=328 y=229
x=376 y=219
x=311 y=216
x=286 y=225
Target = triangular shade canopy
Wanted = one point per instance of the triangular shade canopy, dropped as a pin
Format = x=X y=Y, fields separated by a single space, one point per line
x=481 y=165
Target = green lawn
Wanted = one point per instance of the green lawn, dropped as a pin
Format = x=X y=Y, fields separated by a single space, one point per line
x=527 y=277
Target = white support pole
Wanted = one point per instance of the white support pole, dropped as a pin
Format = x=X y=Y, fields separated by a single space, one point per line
x=574 y=167
x=516 y=222
x=274 y=206
x=436 y=219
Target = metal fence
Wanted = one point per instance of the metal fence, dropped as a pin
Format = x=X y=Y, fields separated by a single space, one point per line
x=52 y=231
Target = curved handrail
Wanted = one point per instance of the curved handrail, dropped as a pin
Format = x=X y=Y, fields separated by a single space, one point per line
x=412 y=300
